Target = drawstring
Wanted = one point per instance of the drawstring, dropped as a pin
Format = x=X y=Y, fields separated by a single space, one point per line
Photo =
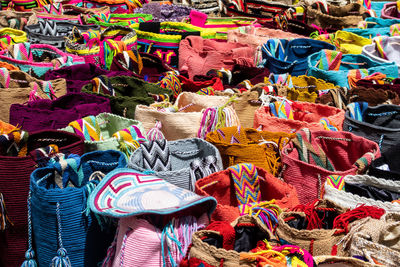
x=381 y=141
x=61 y=260
x=30 y=253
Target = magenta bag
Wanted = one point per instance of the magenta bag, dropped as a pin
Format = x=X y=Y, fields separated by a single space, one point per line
x=312 y=156
x=55 y=114
x=390 y=11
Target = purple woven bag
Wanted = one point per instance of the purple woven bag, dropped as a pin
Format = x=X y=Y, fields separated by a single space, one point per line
x=55 y=114
x=79 y=75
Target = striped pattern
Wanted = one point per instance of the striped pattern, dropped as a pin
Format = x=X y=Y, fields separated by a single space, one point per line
x=336 y=181
x=330 y=60
x=129 y=139
x=171 y=82
x=88 y=128
x=156 y=155
x=246 y=181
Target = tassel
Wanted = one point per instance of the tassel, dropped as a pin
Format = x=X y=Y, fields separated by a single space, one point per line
x=61 y=260
x=29 y=259
x=4 y=220
x=155 y=133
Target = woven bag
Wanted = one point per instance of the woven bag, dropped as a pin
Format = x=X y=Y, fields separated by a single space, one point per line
x=204 y=6
x=68 y=12
x=297 y=228
x=379 y=124
x=109 y=131
x=384 y=84
x=164 y=12
x=345 y=42
x=125 y=93
x=14 y=187
x=19 y=87
x=197 y=56
x=79 y=75
x=305 y=115
x=115 y=6
x=326 y=261
x=37 y=59
x=100 y=47
x=247 y=145
x=373 y=97
x=163 y=38
x=62 y=224
x=54 y=32
x=16 y=20
x=290 y=56
x=234 y=199
x=345 y=70
x=20 y=5
x=313 y=156
x=187 y=115
x=180 y=162
x=307 y=88
x=351 y=191
x=105 y=21
x=390 y=11
x=56 y=114
x=336 y=18
x=386 y=167
x=10 y=36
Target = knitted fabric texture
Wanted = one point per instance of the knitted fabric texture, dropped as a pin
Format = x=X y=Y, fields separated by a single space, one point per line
x=16 y=20
x=247 y=145
x=167 y=160
x=221 y=185
x=312 y=156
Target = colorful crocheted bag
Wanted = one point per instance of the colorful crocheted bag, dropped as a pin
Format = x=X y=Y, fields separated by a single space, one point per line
x=127 y=20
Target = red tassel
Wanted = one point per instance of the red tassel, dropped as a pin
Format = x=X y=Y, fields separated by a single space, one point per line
x=334 y=250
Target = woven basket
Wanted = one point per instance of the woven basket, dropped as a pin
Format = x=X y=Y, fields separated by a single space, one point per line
x=16 y=20
x=115 y=6
x=390 y=11
x=119 y=19
x=220 y=185
x=82 y=237
x=18 y=87
x=181 y=172
x=56 y=114
x=14 y=185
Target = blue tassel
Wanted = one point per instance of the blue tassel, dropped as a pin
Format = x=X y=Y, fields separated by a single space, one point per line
x=29 y=259
x=61 y=260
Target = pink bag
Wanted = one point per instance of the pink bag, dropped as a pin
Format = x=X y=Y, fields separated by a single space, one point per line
x=198 y=55
x=302 y=115
x=313 y=156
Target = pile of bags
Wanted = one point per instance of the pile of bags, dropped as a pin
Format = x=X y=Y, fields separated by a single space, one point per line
x=199 y=133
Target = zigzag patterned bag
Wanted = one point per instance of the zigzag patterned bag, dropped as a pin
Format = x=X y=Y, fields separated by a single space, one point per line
x=109 y=20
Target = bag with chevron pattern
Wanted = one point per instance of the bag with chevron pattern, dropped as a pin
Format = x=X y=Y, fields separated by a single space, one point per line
x=18 y=87
x=312 y=156
x=245 y=189
x=23 y=6
x=180 y=162
x=109 y=20
x=109 y=131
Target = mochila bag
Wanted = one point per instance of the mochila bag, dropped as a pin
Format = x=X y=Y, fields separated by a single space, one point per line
x=383 y=49
x=19 y=87
x=126 y=20
x=204 y=6
x=125 y=93
x=156 y=218
x=373 y=97
x=390 y=11
x=336 y=17
x=326 y=261
x=351 y=191
x=247 y=145
x=290 y=56
x=242 y=186
x=63 y=228
x=68 y=12
x=16 y=19
x=54 y=32
x=336 y=97
x=197 y=56
x=19 y=5
x=182 y=168
x=30 y=58
x=245 y=242
x=386 y=166
x=163 y=38
x=190 y=114
x=375 y=240
x=10 y=36
x=379 y=124
x=55 y=114
x=14 y=185
x=320 y=226
x=345 y=42
x=115 y=6
x=164 y=12
x=307 y=88
x=79 y=75
x=285 y=116
x=108 y=131
x=312 y=156
x=101 y=47
x=384 y=84
x=345 y=70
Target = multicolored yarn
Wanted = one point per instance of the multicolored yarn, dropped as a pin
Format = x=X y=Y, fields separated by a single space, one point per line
x=206 y=91
x=394 y=30
x=155 y=133
x=5 y=221
x=331 y=60
x=129 y=139
x=357 y=109
x=266 y=211
x=328 y=125
x=46 y=88
x=380 y=43
x=365 y=161
x=215 y=118
x=88 y=128
x=336 y=181
x=281 y=109
x=68 y=170
x=356 y=74
x=42 y=155
x=246 y=181
x=14 y=143
x=171 y=81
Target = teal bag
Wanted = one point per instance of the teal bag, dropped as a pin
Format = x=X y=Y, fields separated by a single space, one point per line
x=346 y=70
x=373 y=27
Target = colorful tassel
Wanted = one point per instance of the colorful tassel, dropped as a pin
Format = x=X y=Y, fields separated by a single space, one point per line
x=155 y=133
x=29 y=254
x=4 y=220
x=61 y=260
